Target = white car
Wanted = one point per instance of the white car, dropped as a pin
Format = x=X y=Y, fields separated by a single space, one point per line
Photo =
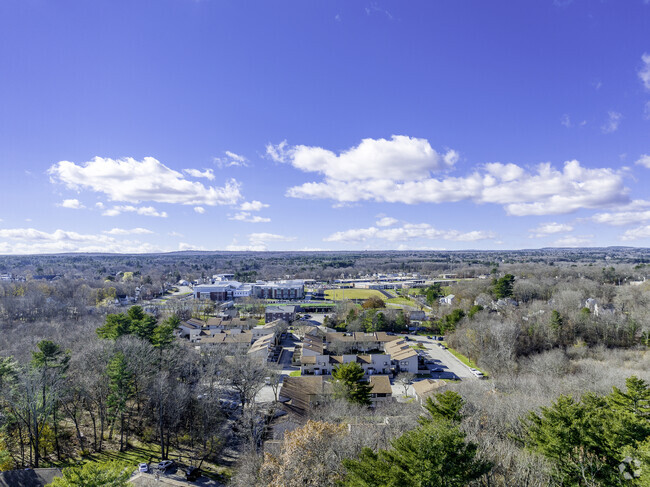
x=143 y=467
x=476 y=372
x=165 y=464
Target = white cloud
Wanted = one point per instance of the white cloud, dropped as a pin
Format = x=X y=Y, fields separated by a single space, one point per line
x=259 y=238
x=409 y=231
x=132 y=231
x=99 y=205
x=637 y=233
x=73 y=204
x=566 y=121
x=612 y=123
x=175 y=234
x=400 y=158
x=140 y=210
x=278 y=152
x=574 y=241
x=245 y=216
x=543 y=192
x=33 y=241
x=620 y=218
x=257 y=242
x=386 y=221
x=231 y=160
x=644 y=72
x=183 y=246
x=199 y=209
x=252 y=205
x=147 y=180
x=646 y=110
x=195 y=173
x=546 y=229
x=644 y=160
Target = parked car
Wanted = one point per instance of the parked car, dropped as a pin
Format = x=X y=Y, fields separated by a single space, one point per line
x=165 y=465
x=192 y=473
x=437 y=369
x=143 y=467
x=477 y=373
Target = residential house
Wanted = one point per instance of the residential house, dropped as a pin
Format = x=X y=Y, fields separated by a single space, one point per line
x=286 y=313
x=404 y=358
x=37 y=477
x=300 y=394
x=425 y=388
x=448 y=300
x=324 y=364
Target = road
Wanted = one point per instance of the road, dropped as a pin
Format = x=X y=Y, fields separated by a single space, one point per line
x=452 y=367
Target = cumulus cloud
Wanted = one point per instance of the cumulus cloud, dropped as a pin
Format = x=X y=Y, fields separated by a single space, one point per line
x=252 y=205
x=544 y=191
x=245 y=216
x=574 y=241
x=33 y=241
x=386 y=221
x=132 y=231
x=257 y=242
x=183 y=246
x=195 y=173
x=147 y=180
x=546 y=229
x=644 y=161
x=566 y=121
x=400 y=158
x=73 y=204
x=637 y=233
x=620 y=218
x=231 y=160
x=199 y=209
x=408 y=231
x=140 y=210
x=644 y=72
x=612 y=123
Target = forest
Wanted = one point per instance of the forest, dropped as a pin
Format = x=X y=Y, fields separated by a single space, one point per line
x=563 y=335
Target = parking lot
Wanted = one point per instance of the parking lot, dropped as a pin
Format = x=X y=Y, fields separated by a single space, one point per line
x=450 y=367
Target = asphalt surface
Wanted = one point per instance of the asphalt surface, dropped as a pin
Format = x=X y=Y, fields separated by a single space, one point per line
x=452 y=368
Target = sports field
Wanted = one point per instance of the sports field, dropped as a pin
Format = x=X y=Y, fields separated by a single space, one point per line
x=342 y=294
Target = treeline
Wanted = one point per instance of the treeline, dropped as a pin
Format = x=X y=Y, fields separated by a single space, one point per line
x=131 y=383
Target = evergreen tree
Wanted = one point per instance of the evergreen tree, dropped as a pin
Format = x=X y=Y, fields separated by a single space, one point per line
x=122 y=386
x=350 y=385
x=503 y=287
x=95 y=474
x=443 y=406
x=433 y=455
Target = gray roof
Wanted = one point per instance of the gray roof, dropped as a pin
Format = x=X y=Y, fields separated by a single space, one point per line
x=38 y=477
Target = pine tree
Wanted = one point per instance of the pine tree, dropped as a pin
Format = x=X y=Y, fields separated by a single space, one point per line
x=434 y=455
x=350 y=385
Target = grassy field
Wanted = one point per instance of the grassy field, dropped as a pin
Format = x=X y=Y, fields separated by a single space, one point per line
x=341 y=294
x=403 y=301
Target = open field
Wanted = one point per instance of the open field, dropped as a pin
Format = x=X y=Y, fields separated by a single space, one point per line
x=342 y=294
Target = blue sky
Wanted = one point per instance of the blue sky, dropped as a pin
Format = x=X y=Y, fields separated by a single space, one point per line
x=141 y=126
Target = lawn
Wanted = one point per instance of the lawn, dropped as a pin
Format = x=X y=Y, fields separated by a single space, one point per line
x=342 y=294
x=295 y=373
x=403 y=301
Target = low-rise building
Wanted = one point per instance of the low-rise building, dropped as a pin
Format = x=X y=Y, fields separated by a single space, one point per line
x=404 y=358
x=427 y=387
x=324 y=364
x=285 y=312
x=300 y=394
